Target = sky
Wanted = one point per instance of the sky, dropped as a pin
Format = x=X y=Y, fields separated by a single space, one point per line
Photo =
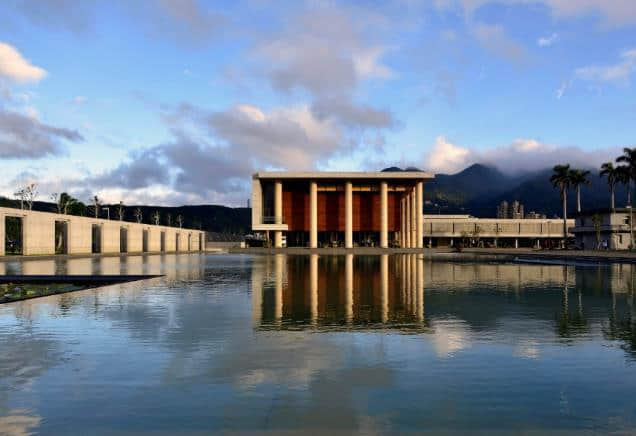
x=171 y=102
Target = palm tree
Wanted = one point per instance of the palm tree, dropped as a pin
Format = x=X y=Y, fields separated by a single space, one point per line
x=608 y=169
x=623 y=177
x=629 y=159
x=561 y=178
x=577 y=179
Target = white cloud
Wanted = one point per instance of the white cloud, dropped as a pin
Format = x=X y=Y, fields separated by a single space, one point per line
x=367 y=63
x=494 y=39
x=14 y=67
x=323 y=50
x=547 y=41
x=446 y=157
x=619 y=72
x=519 y=156
x=613 y=13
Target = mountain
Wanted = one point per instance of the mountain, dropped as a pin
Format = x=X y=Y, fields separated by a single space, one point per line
x=478 y=190
x=211 y=218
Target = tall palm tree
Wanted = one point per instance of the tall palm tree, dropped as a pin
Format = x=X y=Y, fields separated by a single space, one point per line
x=577 y=179
x=608 y=169
x=561 y=178
x=629 y=159
x=623 y=177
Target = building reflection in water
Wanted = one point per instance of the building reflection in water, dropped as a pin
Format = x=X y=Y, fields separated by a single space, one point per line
x=300 y=292
x=351 y=292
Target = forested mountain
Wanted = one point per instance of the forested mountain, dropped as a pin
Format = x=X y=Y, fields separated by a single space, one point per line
x=478 y=190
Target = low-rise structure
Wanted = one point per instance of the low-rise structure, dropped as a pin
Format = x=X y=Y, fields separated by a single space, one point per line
x=43 y=233
x=447 y=230
x=603 y=229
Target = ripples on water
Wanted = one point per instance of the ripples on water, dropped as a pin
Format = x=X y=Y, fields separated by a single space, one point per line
x=332 y=343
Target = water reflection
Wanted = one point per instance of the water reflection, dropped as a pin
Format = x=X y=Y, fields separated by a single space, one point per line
x=298 y=292
x=408 y=293
x=188 y=266
x=389 y=344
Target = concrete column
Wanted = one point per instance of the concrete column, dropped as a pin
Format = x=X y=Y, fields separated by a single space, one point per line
x=313 y=214
x=349 y=286
x=278 y=212
x=2 y=236
x=420 y=290
x=414 y=242
x=384 y=215
x=419 y=191
x=407 y=220
x=348 y=215
x=313 y=287
x=278 y=280
x=257 y=294
x=402 y=223
x=384 y=280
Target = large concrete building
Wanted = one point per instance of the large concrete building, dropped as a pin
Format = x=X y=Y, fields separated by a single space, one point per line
x=42 y=233
x=313 y=209
x=603 y=229
x=447 y=230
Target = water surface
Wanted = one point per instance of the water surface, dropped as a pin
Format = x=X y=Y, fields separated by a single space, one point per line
x=349 y=344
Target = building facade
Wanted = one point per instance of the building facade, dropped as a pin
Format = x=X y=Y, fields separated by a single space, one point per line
x=447 y=230
x=603 y=229
x=27 y=232
x=318 y=209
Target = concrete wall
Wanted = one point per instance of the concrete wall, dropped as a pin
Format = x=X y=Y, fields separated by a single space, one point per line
x=440 y=226
x=38 y=234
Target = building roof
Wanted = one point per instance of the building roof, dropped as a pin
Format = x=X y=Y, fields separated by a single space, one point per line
x=602 y=211
x=404 y=175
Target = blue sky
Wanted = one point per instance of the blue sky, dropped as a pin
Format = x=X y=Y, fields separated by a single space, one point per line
x=173 y=102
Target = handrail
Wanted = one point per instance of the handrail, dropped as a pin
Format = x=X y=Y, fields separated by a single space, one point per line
x=273 y=220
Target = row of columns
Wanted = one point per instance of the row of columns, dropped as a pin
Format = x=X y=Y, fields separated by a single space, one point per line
x=411 y=225
x=411 y=220
x=409 y=272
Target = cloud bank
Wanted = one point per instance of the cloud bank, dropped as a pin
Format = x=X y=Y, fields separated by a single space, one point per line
x=519 y=156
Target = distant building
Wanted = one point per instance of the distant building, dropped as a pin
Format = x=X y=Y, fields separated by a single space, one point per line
x=447 y=230
x=532 y=215
x=512 y=211
x=603 y=229
x=502 y=210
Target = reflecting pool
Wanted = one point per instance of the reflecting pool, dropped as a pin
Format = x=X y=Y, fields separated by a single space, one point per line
x=345 y=344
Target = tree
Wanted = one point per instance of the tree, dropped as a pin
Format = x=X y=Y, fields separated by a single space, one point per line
x=75 y=207
x=623 y=177
x=179 y=220
x=577 y=179
x=629 y=159
x=138 y=215
x=97 y=205
x=69 y=203
x=27 y=195
x=608 y=169
x=121 y=211
x=156 y=217
x=561 y=179
x=169 y=219
x=19 y=194
x=56 y=199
